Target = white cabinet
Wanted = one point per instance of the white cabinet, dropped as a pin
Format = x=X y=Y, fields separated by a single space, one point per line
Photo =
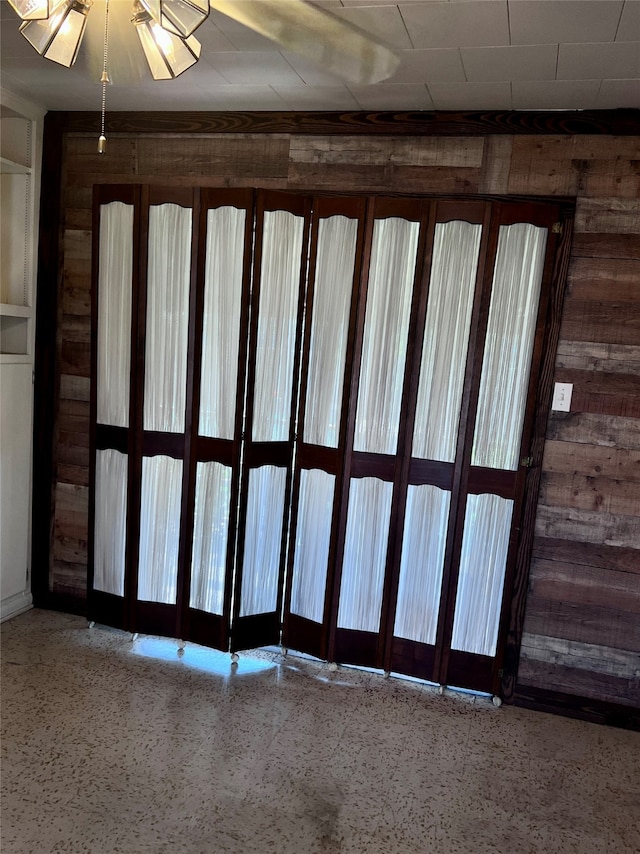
x=20 y=148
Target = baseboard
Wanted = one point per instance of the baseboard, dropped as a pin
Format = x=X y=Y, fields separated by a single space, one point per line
x=16 y=604
x=571 y=706
x=61 y=602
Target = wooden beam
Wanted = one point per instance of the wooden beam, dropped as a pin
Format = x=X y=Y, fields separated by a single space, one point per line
x=624 y=122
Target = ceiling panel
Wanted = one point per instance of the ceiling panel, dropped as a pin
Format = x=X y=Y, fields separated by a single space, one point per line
x=623 y=93
x=525 y=62
x=422 y=66
x=471 y=96
x=555 y=94
x=469 y=23
x=615 y=60
x=388 y=96
x=385 y=22
x=547 y=21
x=629 y=26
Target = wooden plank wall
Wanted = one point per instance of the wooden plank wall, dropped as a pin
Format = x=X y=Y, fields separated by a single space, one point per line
x=582 y=623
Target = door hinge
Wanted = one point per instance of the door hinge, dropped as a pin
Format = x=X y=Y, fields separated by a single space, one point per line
x=527 y=462
x=556 y=228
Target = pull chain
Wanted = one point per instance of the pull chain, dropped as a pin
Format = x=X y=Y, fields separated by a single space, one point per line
x=104 y=79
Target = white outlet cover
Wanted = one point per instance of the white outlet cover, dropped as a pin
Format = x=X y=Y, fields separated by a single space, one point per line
x=562 y=397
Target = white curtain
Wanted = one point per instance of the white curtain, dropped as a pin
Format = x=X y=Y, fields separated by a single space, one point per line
x=313 y=534
x=114 y=313
x=261 y=561
x=159 y=529
x=221 y=321
x=210 y=533
x=509 y=343
x=446 y=338
x=365 y=553
x=485 y=543
x=277 y=318
x=391 y=273
x=423 y=544
x=337 y=237
x=110 y=530
x=169 y=265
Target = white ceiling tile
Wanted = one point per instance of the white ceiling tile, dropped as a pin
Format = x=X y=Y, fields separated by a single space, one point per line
x=212 y=38
x=242 y=38
x=309 y=71
x=614 y=94
x=254 y=68
x=555 y=94
x=471 y=96
x=385 y=22
x=387 y=96
x=629 y=26
x=614 y=60
x=422 y=66
x=469 y=23
x=316 y=97
x=548 y=21
x=524 y=62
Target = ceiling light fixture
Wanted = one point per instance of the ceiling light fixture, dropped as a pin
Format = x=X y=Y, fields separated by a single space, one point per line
x=58 y=36
x=55 y=29
x=167 y=54
x=182 y=17
x=32 y=10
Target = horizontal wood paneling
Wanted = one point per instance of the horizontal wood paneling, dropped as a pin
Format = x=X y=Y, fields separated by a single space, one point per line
x=589 y=493
x=573 y=621
x=579 y=682
x=587 y=554
x=588 y=526
x=580 y=638
x=589 y=245
x=583 y=585
x=599 y=430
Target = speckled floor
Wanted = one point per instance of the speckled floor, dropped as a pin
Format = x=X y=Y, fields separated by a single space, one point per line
x=114 y=746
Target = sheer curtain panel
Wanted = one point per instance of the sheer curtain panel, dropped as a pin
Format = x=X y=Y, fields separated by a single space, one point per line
x=391 y=273
x=335 y=260
x=509 y=342
x=210 y=536
x=277 y=321
x=446 y=338
x=159 y=529
x=221 y=321
x=110 y=531
x=169 y=270
x=114 y=313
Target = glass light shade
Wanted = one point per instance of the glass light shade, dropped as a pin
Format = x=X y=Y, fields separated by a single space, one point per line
x=58 y=37
x=167 y=54
x=32 y=10
x=182 y=17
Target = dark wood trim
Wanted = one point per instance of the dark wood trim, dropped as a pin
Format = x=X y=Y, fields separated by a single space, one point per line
x=347 y=425
x=511 y=648
x=548 y=215
x=622 y=122
x=65 y=602
x=411 y=377
x=571 y=706
x=466 y=425
x=187 y=508
x=264 y=629
x=46 y=388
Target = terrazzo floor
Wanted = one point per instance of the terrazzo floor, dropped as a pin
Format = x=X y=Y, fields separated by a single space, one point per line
x=111 y=745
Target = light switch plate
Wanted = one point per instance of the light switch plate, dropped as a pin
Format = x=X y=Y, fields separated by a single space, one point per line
x=562 y=397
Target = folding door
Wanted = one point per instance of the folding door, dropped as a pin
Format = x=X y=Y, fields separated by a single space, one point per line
x=312 y=418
